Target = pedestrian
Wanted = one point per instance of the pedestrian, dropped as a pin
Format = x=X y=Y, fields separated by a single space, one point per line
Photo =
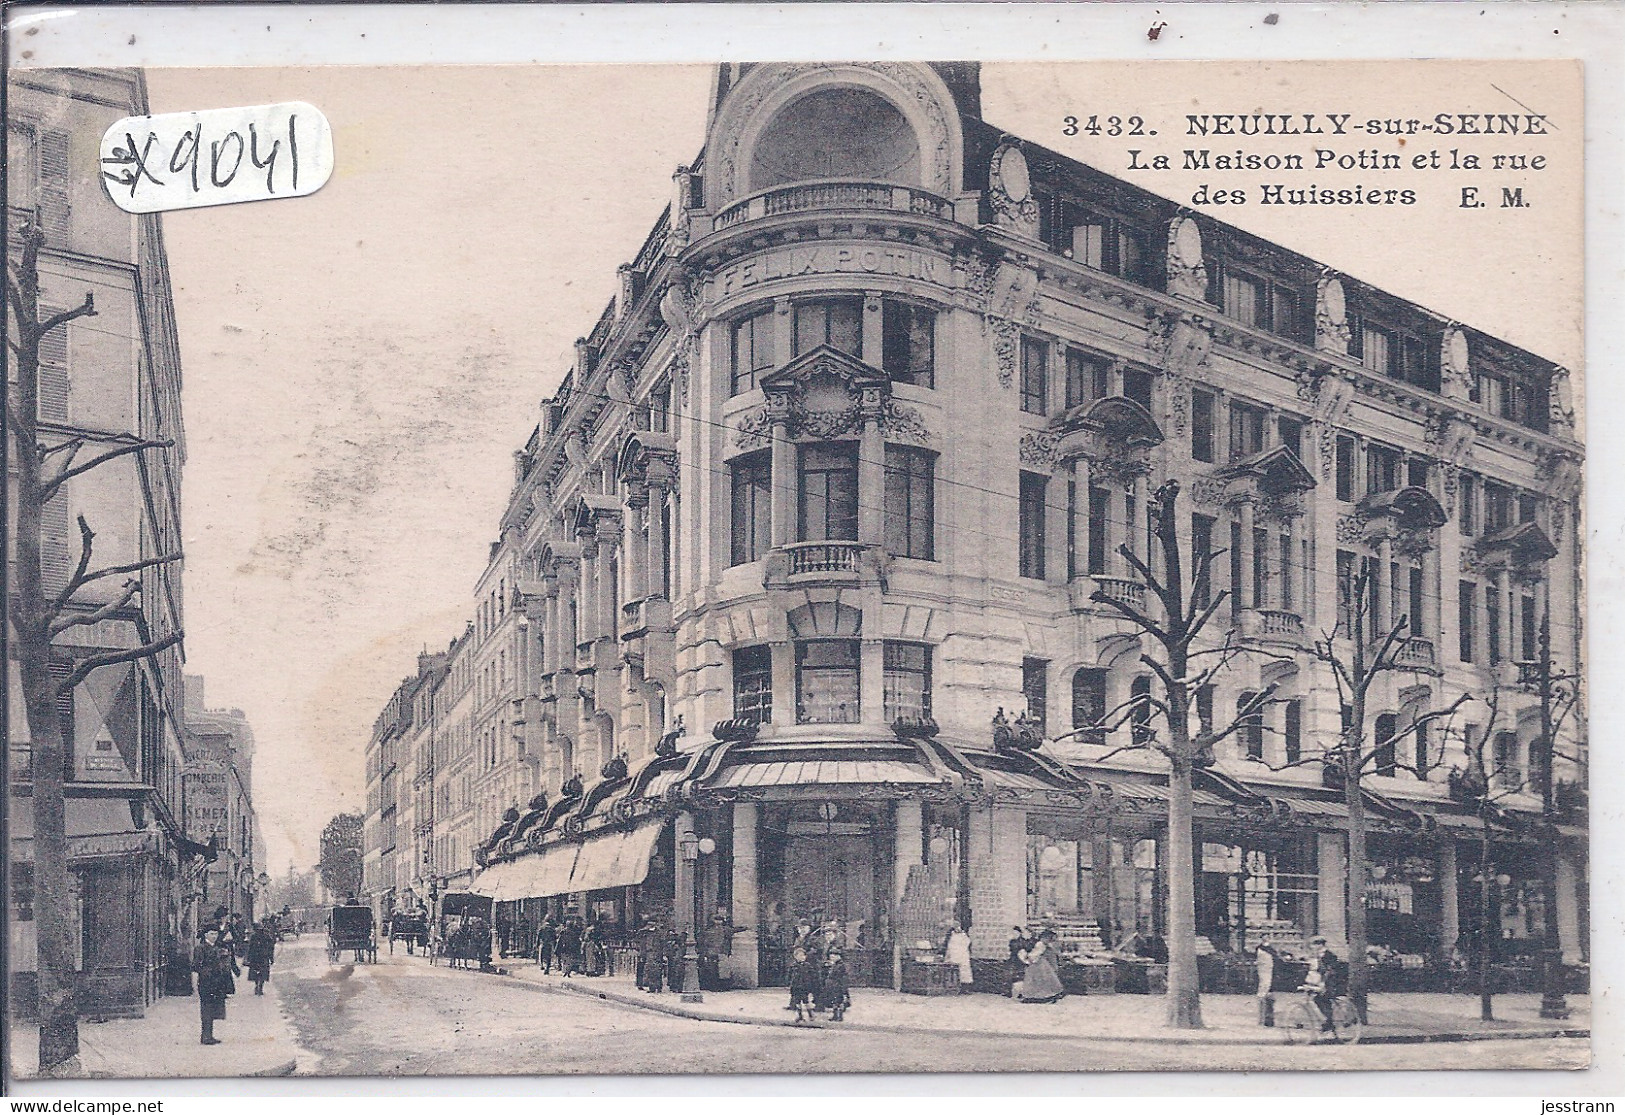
x=1015 y=967
x=803 y=983
x=592 y=950
x=651 y=964
x=261 y=955
x=1328 y=979
x=716 y=943
x=569 y=947
x=1264 y=961
x=214 y=965
x=834 y=994
x=673 y=951
x=1041 y=980
x=239 y=935
x=546 y=939
x=956 y=951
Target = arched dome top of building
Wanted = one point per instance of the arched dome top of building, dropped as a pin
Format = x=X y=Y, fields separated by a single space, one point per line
x=878 y=121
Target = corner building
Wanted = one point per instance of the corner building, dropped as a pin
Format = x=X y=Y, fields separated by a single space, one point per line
x=837 y=473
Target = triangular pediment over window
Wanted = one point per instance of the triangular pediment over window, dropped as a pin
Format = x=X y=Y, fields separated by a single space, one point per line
x=1524 y=544
x=823 y=363
x=1277 y=471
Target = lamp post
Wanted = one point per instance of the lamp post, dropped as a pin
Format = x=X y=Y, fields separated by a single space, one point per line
x=690 y=850
x=1553 y=976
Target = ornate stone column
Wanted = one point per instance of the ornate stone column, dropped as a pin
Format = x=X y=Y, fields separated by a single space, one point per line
x=746 y=902
x=872 y=468
x=1080 y=517
x=655 y=541
x=784 y=479
x=587 y=593
x=635 y=562
x=1506 y=626
x=1382 y=608
x=1245 y=519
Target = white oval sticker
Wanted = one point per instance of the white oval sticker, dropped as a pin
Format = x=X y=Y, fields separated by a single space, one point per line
x=184 y=160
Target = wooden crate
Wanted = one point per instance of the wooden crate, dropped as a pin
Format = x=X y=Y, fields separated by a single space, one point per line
x=929 y=978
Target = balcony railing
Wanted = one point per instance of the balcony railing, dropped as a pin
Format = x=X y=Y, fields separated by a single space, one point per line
x=808 y=196
x=1122 y=589
x=1417 y=653
x=1274 y=621
x=824 y=557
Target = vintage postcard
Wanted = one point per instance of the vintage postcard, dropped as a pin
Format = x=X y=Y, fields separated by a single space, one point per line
x=937 y=565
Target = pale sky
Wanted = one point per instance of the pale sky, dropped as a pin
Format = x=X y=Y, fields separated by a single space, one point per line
x=360 y=365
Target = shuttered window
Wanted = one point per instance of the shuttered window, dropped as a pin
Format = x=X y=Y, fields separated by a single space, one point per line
x=53 y=370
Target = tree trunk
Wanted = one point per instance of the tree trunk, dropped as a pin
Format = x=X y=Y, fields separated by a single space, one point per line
x=54 y=965
x=1489 y=928
x=1184 y=989
x=1359 y=970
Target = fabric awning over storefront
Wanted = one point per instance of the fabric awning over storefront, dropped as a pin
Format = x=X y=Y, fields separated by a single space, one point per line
x=95 y=827
x=493 y=879
x=542 y=874
x=616 y=859
x=823 y=772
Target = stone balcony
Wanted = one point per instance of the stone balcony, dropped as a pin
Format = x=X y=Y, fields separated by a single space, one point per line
x=833 y=194
x=1125 y=590
x=647 y=637
x=827 y=562
x=640 y=618
x=1416 y=654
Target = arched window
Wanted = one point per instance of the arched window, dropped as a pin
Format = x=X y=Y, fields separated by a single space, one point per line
x=837 y=133
x=1385 y=761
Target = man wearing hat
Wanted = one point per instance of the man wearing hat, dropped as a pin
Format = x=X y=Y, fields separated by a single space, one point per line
x=833 y=992
x=1328 y=977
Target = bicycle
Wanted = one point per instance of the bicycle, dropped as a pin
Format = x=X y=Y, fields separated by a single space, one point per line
x=1305 y=1024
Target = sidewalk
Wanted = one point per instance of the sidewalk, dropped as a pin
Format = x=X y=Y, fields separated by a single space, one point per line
x=1230 y=1019
x=256 y=1040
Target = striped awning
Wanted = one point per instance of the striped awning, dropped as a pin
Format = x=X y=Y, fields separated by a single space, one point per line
x=824 y=772
x=615 y=859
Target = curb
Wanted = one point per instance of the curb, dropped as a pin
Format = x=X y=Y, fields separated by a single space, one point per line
x=286 y=1068
x=937 y=1031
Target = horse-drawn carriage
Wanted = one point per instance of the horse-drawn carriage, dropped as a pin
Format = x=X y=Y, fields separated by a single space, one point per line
x=464 y=940
x=411 y=927
x=351 y=929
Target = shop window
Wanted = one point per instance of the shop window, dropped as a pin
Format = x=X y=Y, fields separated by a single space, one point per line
x=1252 y=728
x=1384 y=760
x=1246 y=431
x=1141 y=730
x=1292 y=734
x=1088 y=378
x=1203 y=404
x=1089 y=705
x=910 y=494
x=1345 y=469
x=828 y=507
x=1466 y=620
x=827 y=681
x=908 y=343
x=907 y=692
x=1099 y=530
x=753 y=684
x=1034 y=376
x=1035 y=690
x=836 y=322
x=1031 y=526
x=752 y=350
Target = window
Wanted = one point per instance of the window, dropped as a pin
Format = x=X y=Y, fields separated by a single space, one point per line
x=1467 y=505
x=1098 y=509
x=1508 y=768
x=908 y=343
x=1423 y=760
x=827 y=681
x=1246 y=431
x=1345 y=469
x=1491 y=392
x=1528 y=633
x=660 y=409
x=1466 y=620
x=1201 y=547
x=1035 y=689
x=1071 y=530
x=828 y=508
x=1376 y=349
x=1034 y=376
x=1498 y=507
x=1204 y=710
x=1089 y=704
x=1284 y=578
x=1202 y=407
x=752 y=350
x=1418 y=614
x=1492 y=623
x=1140 y=716
x=1097 y=240
x=910 y=483
x=1381 y=469
x=1242 y=299
x=1290 y=431
x=1347 y=584
x=1528 y=507
x=1385 y=761
x=1252 y=727
x=1416 y=472
x=907 y=681
x=1031 y=511
x=1138 y=386
x=1088 y=378
x=836 y=322
x=1294 y=730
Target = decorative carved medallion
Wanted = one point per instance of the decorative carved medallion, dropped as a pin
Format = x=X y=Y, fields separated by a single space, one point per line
x=1010 y=191
x=1455 y=366
x=1350 y=529
x=1187 y=274
x=1039 y=449
x=1560 y=402
x=1331 y=316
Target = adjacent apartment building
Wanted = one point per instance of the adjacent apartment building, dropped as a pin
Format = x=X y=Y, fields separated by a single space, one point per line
x=107 y=380
x=816 y=523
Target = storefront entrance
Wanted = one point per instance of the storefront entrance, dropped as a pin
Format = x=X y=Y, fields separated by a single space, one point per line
x=827 y=862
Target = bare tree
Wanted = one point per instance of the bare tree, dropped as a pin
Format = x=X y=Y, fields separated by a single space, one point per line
x=44 y=466
x=1358 y=655
x=1176 y=618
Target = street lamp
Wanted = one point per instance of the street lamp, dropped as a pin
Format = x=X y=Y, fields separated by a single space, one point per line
x=690 y=847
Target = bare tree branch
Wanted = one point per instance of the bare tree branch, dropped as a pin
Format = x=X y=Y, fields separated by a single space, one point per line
x=1133 y=615
x=115 y=570
x=14 y=292
x=73 y=445
x=114 y=658
x=106 y=611
x=87 y=541
x=50 y=487
x=87 y=308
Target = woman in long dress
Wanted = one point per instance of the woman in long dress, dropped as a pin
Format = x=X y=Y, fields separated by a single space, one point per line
x=956 y=951
x=1041 y=981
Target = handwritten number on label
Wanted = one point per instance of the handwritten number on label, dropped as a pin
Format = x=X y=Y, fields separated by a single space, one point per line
x=134 y=162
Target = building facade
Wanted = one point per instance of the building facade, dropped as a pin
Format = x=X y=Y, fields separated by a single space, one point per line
x=219 y=781
x=105 y=380
x=819 y=520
